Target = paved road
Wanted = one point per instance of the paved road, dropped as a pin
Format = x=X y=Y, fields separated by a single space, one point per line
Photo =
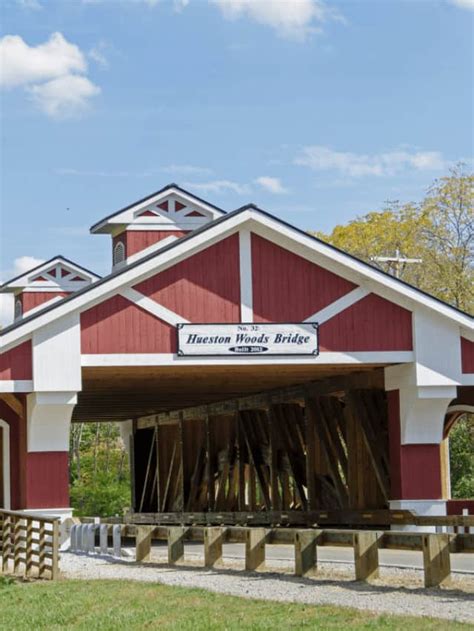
x=284 y=555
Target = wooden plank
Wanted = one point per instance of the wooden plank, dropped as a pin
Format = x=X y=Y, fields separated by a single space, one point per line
x=169 y=477
x=286 y=445
x=210 y=465
x=310 y=459
x=148 y=471
x=180 y=499
x=254 y=456
x=339 y=486
x=436 y=560
x=274 y=444
x=241 y=504
x=55 y=551
x=157 y=447
x=13 y=403
x=372 y=443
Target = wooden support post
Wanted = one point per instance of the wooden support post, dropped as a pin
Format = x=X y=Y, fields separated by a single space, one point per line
x=157 y=474
x=310 y=458
x=212 y=545
x=366 y=555
x=55 y=551
x=305 y=552
x=273 y=435
x=143 y=543
x=29 y=547
x=41 y=549
x=241 y=463
x=211 y=492
x=255 y=548
x=436 y=560
x=17 y=527
x=175 y=544
x=181 y=498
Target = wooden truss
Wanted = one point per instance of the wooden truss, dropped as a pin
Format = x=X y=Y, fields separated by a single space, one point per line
x=292 y=451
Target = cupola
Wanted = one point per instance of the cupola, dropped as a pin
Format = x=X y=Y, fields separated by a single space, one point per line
x=153 y=222
x=46 y=284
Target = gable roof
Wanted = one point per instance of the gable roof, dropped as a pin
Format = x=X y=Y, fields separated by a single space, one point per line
x=250 y=212
x=169 y=189
x=21 y=279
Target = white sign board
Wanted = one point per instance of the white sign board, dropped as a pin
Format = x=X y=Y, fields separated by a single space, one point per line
x=248 y=339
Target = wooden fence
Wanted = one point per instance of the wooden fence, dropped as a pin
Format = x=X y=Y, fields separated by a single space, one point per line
x=436 y=548
x=29 y=544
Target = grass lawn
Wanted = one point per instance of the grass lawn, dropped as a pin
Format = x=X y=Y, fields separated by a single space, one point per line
x=95 y=605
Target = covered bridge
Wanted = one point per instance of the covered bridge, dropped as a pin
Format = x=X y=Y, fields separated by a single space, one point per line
x=252 y=367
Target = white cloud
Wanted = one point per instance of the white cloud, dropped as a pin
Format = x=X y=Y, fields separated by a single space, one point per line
x=96 y=53
x=53 y=73
x=218 y=186
x=289 y=18
x=186 y=169
x=35 y=5
x=22 y=64
x=350 y=164
x=64 y=97
x=271 y=184
x=463 y=4
x=20 y=265
x=23 y=264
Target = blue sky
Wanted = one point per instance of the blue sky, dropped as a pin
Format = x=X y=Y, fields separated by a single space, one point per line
x=316 y=111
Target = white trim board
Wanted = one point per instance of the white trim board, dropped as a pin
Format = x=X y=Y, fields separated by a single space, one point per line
x=19 y=385
x=6 y=464
x=171 y=359
x=245 y=268
x=338 y=306
x=153 y=307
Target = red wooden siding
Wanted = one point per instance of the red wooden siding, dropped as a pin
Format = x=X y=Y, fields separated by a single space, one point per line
x=137 y=240
x=371 y=324
x=287 y=287
x=31 y=299
x=415 y=469
x=118 y=326
x=17 y=426
x=467 y=355
x=421 y=472
x=203 y=288
x=47 y=479
x=455 y=507
x=17 y=363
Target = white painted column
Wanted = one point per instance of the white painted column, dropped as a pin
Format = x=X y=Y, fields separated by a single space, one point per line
x=419 y=395
x=56 y=381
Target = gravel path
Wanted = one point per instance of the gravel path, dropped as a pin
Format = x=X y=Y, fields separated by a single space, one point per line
x=332 y=587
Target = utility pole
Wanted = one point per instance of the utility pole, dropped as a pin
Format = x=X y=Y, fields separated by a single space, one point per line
x=397 y=261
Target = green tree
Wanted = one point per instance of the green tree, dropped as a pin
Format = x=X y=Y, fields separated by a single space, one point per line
x=100 y=477
x=440 y=231
x=461 y=457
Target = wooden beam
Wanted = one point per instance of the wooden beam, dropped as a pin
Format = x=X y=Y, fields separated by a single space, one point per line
x=254 y=456
x=13 y=403
x=310 y=459
x=211 y=498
